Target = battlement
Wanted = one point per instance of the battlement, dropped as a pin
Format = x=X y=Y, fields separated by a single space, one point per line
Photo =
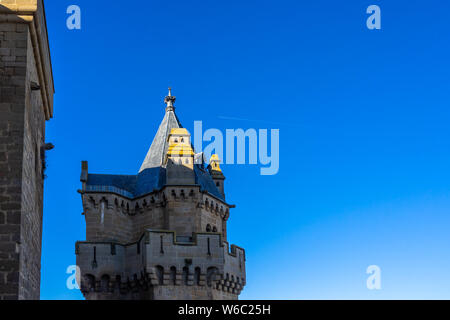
x=129 y=254
x=93 y=195
x=161 y=259
x=185 y=209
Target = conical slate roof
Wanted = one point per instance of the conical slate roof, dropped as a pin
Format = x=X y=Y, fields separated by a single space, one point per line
x=158 y=149
x=152 y=175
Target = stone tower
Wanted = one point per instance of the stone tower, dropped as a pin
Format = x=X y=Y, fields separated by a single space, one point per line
x=26 y=102
x=160 y=234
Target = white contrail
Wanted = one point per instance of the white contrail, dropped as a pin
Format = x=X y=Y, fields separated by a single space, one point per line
x=256 y=120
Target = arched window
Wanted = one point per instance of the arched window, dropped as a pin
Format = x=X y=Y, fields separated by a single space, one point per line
x=173 y=275
x=160 y=274
x=211 y=275
x=208 y=228
x=197 y=275
x=89 y=282
x=214 y=229
x=185 y=275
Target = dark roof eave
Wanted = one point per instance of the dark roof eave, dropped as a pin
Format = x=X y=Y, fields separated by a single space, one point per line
x=161 y=189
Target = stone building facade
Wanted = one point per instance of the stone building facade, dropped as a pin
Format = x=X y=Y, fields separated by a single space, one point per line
x=160 y=234
x=26 y=103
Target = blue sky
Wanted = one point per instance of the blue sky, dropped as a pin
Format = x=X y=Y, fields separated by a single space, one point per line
x=364 y=138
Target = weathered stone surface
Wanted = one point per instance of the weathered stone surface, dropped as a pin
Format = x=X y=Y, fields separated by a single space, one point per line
x=170 y=243
x=24 y=58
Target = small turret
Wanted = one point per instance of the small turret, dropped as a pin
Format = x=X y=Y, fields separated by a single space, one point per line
x=160 y=234
x=216 y=173
x=180 y=149
x=180 y=157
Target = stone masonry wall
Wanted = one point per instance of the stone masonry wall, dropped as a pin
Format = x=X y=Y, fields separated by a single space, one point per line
x=13 y=54
x=168 y=244
x=32 y=186
x=111 y=217
x=157 y=267
x=22 y=125
x=106 y=222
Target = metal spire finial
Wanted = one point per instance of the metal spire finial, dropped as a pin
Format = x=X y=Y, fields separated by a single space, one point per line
x=170 y=101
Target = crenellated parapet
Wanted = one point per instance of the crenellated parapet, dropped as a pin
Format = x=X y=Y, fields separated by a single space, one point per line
x=162 y=233
x=159 y=262
x=215 y=206
x=153 y=210
x=158 y=198
x=127 y=206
